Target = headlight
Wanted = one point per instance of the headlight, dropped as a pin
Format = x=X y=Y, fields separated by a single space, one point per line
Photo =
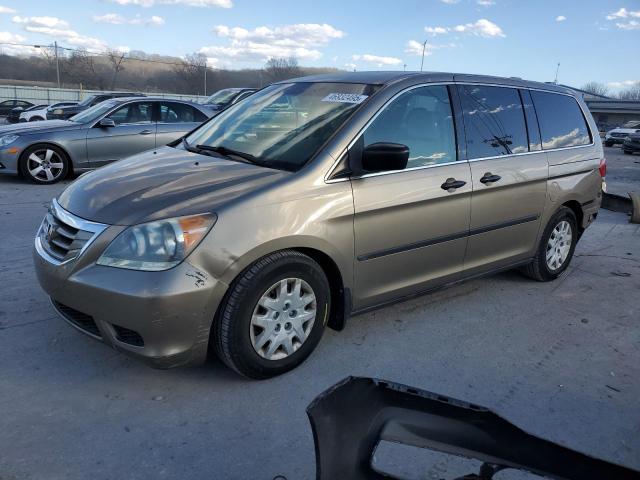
x=7 y=139
x=157 y=245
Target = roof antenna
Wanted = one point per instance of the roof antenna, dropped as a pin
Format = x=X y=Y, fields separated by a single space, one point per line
x=557 y=69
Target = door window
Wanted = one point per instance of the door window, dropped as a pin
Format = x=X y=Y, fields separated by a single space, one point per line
x=493 y=121
x=422 y=120
x=180 y=113
x=562 y=123
x=133 y=113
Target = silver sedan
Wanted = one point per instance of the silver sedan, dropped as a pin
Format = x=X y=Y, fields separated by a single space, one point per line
x=48 y=151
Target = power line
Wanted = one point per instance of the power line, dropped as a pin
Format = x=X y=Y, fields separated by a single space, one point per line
x=103 y=54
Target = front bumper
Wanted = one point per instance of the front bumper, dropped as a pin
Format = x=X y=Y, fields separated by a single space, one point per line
x=618 y=140
x=162 y=318
x=9 y=161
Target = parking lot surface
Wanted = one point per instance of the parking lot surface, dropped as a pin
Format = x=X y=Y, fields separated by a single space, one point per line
x=561 y=360
x=623 y=171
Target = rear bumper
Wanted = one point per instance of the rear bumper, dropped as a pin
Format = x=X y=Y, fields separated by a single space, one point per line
x=162 y=318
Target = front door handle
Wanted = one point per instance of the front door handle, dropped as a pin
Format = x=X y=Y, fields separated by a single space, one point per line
x=145 y=132
x=452 y=184
x=489 y=178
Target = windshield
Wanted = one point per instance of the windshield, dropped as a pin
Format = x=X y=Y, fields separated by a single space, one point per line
x=222 y=96
x=93 y=113
x=632 y=124
x=283 y=125
x=87 y=101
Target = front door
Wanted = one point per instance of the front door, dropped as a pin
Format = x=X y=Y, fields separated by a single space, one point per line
x=411 y=226
x=134 y=132
x=509 y=171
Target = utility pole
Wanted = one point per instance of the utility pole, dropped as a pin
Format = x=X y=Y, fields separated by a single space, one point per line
x=205 y=78
x=405 y=67
x=424 y=46
x=557 y=69
x=55 y=45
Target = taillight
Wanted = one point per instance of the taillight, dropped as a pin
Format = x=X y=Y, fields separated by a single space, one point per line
x=603 y=167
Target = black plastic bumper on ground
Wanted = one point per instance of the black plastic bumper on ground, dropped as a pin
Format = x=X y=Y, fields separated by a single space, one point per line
x=351 y=418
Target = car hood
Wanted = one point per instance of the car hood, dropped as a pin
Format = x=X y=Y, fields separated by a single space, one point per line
x=164 y=183
x=38 y=127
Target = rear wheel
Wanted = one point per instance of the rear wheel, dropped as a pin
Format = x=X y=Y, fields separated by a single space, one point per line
x=273 y=315
x=44 y=164
x=556 y=247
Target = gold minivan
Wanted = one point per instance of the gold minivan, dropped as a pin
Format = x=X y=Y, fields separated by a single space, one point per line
x=316 y=199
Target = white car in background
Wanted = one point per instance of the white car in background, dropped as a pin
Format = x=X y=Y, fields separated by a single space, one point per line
x=41 y=113
x=618 y=135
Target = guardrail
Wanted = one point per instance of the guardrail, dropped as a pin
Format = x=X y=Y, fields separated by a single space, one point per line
x=52 y=95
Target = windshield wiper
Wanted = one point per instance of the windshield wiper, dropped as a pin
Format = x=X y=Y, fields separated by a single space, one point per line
x=227 y=152
x=187 y=146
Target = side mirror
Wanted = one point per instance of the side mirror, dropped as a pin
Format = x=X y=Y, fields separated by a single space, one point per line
x=106 y=123
x=385 y=157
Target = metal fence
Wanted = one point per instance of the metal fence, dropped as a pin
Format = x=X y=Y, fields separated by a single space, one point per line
x=47 y=95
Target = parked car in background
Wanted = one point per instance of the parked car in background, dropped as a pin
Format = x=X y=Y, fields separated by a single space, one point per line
x=314 y=199
x=617 y=135
x=227 y=97
x=45 y=152
x=35 y=114
x=631 y=143
x=14 y=115
x=63 y=113
x=8 y=105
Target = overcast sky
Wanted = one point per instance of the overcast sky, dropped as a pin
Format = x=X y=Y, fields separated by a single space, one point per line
x=593 y=40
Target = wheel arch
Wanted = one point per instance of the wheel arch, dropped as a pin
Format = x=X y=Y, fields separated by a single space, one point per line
x=576 y=208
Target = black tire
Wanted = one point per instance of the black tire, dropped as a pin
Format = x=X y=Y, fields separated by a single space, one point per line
x=538 y=268
x=608 y=144
x=627 y=152
x=36 y=119
x=27 y=165
x=230 y=333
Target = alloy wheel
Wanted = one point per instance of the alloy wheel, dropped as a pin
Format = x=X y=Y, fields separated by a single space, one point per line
x=45 y=165
x=283 y=318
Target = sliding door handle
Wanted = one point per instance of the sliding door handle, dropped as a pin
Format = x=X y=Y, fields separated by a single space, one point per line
x=452 y=184
x=489 y=178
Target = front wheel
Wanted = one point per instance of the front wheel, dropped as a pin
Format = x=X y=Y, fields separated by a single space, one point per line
x=273 y=315
x=556 y=247
x=608 y=144
x=44 y=164
x=627 y=152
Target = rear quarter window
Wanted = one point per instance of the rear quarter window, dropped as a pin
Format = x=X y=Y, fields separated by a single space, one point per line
x=562 y=123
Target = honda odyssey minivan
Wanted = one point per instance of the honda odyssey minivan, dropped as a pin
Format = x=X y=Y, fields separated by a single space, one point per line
x=316 y=199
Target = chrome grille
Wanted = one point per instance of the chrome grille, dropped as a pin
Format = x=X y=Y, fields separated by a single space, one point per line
x=63 y=236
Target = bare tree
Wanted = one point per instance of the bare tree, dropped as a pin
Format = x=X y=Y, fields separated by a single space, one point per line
x=190 y=72
x=282 y=68
x=81 y=67
x=596 y=88
x=631 y=93
x=116 y=57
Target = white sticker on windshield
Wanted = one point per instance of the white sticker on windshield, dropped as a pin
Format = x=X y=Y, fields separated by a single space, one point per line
x=345 y=98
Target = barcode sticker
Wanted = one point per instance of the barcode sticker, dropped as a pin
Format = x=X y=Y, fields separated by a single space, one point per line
x=345 y=98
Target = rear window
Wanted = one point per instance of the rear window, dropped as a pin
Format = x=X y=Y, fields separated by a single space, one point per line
x=493 y=121
x=561 y=121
